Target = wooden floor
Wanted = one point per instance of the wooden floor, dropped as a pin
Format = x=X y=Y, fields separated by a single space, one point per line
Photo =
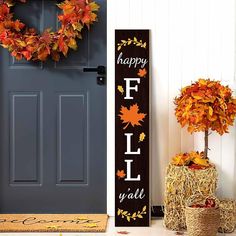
x=155 y=230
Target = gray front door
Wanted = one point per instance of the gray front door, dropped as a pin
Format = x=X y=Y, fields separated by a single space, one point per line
x=53 y=124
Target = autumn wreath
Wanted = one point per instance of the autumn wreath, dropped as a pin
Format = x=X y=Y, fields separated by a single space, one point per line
x=24 y=42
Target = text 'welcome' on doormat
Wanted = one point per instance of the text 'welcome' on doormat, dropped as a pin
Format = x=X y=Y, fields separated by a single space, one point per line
x=53 y=222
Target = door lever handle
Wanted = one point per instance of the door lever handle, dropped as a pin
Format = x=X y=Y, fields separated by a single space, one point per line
x=101 y=70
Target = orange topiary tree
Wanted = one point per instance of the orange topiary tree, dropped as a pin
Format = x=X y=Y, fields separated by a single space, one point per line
x=206 y=105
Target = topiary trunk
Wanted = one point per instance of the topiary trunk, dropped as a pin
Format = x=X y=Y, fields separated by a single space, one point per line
x=206 y=144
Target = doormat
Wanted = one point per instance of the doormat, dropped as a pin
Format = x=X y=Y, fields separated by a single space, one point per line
x=53 y=222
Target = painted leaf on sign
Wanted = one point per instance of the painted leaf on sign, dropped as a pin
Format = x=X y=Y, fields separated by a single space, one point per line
x=131 y=116
x=142 y=73
x=142 y=137
x=120 y=89
x=120 y=174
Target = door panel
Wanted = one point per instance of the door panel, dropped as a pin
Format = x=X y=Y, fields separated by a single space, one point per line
x=72 y=124
x=53 y=124
x=25 y=137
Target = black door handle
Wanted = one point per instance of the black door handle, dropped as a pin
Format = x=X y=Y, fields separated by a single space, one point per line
x=101 y=70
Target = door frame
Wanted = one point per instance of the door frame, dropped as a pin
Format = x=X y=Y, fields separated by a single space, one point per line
x=110 y=114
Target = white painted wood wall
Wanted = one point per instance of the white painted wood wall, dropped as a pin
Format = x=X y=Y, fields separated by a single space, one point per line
x=189 y=39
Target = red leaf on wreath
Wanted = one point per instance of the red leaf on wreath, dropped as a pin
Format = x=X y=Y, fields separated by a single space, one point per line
x=27 y=55
x=62 y=46
x=46 y=37
x=4 y=10
x=18 y=26
x=17 y=55
x=55 y=56
x=3 y=36
x=67 y=9
x=43 y=54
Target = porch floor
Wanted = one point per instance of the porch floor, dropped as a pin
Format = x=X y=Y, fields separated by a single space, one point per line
x=156 y=229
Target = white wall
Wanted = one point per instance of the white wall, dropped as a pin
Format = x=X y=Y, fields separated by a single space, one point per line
x=189 y=39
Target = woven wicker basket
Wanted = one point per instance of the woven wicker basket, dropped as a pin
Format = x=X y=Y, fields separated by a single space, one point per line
x=202 y=221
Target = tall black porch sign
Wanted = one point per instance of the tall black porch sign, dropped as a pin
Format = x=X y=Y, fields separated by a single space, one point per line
x=132 y=127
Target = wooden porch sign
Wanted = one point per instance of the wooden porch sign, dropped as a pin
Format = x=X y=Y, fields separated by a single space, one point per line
x=132 y=128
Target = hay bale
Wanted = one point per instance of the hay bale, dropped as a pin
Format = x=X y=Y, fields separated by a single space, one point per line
x=227 y=215
x=181 y=183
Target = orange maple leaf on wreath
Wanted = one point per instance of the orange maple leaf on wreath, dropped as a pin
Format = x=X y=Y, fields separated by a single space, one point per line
x=131 y=115
x=142 y=73
x=120 y=174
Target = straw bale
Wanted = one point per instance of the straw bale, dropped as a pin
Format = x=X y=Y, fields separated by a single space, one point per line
x=180 y=184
